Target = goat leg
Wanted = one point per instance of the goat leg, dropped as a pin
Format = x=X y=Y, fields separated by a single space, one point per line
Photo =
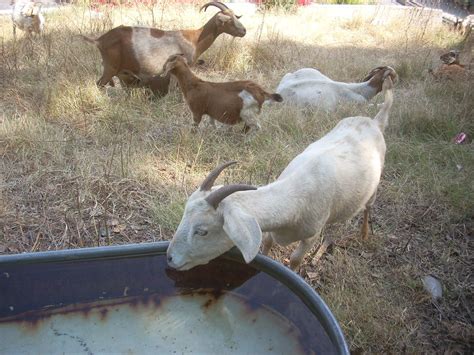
x=365 y=225
x=322 y=249
x=107 y=76
x=250 y=122
x=197 y=120
x=267 y=243
x=371 y=220
x=212 y=122
x=300 y=251
x=367 y=216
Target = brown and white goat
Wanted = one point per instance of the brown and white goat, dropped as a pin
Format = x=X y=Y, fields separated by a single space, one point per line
x=229 y=103
x=137 y=54
x=451 y=69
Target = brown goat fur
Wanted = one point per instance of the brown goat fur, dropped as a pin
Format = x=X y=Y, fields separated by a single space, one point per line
x=450 y=72
x=137 y=54
x=377 y=76
x=451 y=69
x=224 y=102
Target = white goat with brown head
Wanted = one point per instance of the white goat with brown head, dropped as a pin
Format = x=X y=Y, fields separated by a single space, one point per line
x=331 y=181
x=309 y=88
x=137 y=54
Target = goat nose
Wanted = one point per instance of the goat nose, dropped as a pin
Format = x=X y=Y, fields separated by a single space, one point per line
x=170 y=258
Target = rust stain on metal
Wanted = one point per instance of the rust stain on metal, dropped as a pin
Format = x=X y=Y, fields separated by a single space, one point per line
x=94 y=289
x=103 y=314
x=208 y=303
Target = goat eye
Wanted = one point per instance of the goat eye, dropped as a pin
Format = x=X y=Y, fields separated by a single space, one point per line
x=200 y=232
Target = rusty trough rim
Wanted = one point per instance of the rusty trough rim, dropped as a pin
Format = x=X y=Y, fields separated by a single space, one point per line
x=263 y=263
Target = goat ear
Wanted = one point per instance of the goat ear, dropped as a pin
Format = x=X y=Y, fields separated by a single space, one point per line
x=221 y=18
x=165 y=72
x=244 y=231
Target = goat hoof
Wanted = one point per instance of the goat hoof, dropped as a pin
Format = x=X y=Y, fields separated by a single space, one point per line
x=295 y=265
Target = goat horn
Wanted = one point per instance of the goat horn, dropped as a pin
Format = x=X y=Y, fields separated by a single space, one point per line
x=211 y=178
x=217 y=4
x=392 y=74
x=372 y=73
x=217 y=196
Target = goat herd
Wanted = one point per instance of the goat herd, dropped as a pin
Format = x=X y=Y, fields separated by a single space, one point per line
x=331 y=181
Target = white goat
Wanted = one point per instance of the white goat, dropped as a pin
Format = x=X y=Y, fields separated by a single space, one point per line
x=309 y=88
x=331 y=181
x=26 y=16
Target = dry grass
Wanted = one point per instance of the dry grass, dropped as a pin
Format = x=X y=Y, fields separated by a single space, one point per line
x=82 y=167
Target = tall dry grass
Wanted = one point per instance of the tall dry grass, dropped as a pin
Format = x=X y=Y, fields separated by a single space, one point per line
x=83 y=167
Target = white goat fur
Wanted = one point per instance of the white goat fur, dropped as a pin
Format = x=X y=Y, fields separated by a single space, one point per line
x=331 y=181
x=309 y=88
x=27 y=16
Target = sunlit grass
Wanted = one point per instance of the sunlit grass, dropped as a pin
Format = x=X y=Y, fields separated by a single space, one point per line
x=76 y=156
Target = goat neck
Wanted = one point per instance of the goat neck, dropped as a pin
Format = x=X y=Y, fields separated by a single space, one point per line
x=186 y=78
x=365 y=89
x=268 y=205
x=203 y=37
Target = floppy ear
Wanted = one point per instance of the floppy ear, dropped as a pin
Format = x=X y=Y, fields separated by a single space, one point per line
x=169 y=64
x=244 y=231
x=165 y=72
x=221 y=18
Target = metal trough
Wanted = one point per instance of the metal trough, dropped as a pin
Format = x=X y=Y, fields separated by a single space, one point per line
x=126 y=300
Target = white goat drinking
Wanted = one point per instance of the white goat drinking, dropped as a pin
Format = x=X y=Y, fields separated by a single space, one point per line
x=331 y=181
x=309 y=88
x=26 y=16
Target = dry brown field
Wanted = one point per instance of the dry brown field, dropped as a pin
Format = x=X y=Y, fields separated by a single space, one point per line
x=84 y=167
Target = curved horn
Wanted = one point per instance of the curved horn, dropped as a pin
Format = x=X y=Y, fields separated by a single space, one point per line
x=392 y=73
x=211 y=178
x=217 y=196
x=217 y=4
x=372 y=73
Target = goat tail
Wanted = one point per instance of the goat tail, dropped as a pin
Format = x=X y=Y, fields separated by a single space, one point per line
x=274 y=97
x=382 y=117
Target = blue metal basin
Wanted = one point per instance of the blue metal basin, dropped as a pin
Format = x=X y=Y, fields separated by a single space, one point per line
x=125 y=299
